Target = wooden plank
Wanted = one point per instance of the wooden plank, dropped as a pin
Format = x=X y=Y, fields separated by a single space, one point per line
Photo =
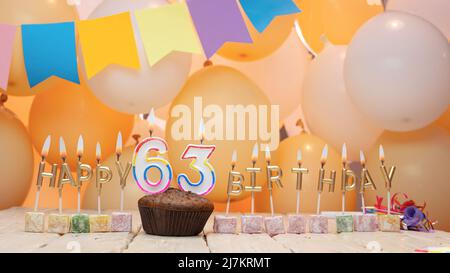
x=144 y=243
x=243 y=243
x=23 y=242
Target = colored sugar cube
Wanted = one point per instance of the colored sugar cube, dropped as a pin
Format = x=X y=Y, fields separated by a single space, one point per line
x=80 y=223
x=121 y=222
x=365 y=223
x=225 y=224
x=99 y=223
x=34 y=222
x=274 y=225
x=296 y=224
x=389 y=223
x=344 y=223
x=252 y=223
x=318 y=224
x=58 y=223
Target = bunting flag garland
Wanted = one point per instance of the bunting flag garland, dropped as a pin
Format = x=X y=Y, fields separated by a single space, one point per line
x=178 y=33
x=108 y=40
x=262 y=12
x=218 y=22
x=50 y=50
x=7 y=34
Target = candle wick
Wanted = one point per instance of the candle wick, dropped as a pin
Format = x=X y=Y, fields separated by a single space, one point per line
x=151 y=133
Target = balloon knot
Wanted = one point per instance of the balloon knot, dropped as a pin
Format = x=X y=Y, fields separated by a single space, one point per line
x=3 y=99
x=207 y=63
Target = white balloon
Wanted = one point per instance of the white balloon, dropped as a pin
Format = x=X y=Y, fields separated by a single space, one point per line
x=136 y=91
x=329 y=111
x=435 y=11
x=397 y=71
x=280 y=75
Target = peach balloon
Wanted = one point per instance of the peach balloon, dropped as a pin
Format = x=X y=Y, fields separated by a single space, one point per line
x=264 y=43
x=422 y=158
x=20 y=12
x=338 y=20
x=71 y=110
x=16 y=160
x=220 y=86
x=286 y=158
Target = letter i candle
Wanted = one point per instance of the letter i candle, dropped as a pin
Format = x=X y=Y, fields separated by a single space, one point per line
x=80 y=222
x=319 y=223
x=344 y=223
x=365 y=222
x=226 y=223
x=297 y=222
x=60 y=223
x=100 y=222
x=274 y=224
x=121 y=221
x=252 y=223
x=35 y=220
x=388 y=222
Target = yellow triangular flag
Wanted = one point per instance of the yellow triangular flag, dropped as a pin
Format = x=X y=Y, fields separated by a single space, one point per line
x=166 y=29
x=108 y=40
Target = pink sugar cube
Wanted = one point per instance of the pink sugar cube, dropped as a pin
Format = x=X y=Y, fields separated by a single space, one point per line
x=121 y=222
x=252 y=223
x=318 y=224
x=225 y=224
x=274 y=225
x=296 y=224
x=365 y=223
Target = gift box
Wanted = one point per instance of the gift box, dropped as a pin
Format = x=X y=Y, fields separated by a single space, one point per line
x=344 y=223
x=296 y=224
x=225 y=224
x=34 y=222
x=58 y=223
x=252 y=223
x=274 y=225
x=121 y=222
x=389 y=223
x=80 y=223
x=99 y=223
x=318 y=224
x=365 y=223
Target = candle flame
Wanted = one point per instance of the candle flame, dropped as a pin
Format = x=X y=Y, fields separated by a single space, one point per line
x=46 y=146
x=268 y=157
x=62 y=148
x=98 y=151
x=119 y=144
x=80 y=146
x=381 y=153
x=299 y=156
x=362 y=158
x=255 y=152
x=151 y=120
x=324 y=156
x=201 y=130
x=344 y=153
x=234 y=158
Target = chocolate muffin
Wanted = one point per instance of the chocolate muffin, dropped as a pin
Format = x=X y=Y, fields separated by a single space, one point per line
x=174 y=213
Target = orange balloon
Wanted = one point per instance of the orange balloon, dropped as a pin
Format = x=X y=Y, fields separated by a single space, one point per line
x=421 y=158
x=285 y=198
x=263 y=43
x=444 y=120
x=338 y=20
x=20 y=12
x=71 y=110
x=16 y=160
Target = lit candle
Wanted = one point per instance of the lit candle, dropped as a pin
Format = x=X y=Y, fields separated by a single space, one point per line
x=123 y=173
x=322 y=180
x=388 y=177
x=151 y=122
x=299 y=171
x=84 y=171
x=65 y=176
x=103 y=176
x=366 y=180
x=235 y=180
x=346 y=174
x=253 y=170
x=42 y=173
x=271 y=178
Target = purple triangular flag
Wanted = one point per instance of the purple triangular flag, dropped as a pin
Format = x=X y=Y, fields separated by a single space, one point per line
x=218 y=22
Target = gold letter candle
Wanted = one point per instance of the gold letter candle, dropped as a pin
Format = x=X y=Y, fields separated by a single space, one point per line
x=366 y=180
